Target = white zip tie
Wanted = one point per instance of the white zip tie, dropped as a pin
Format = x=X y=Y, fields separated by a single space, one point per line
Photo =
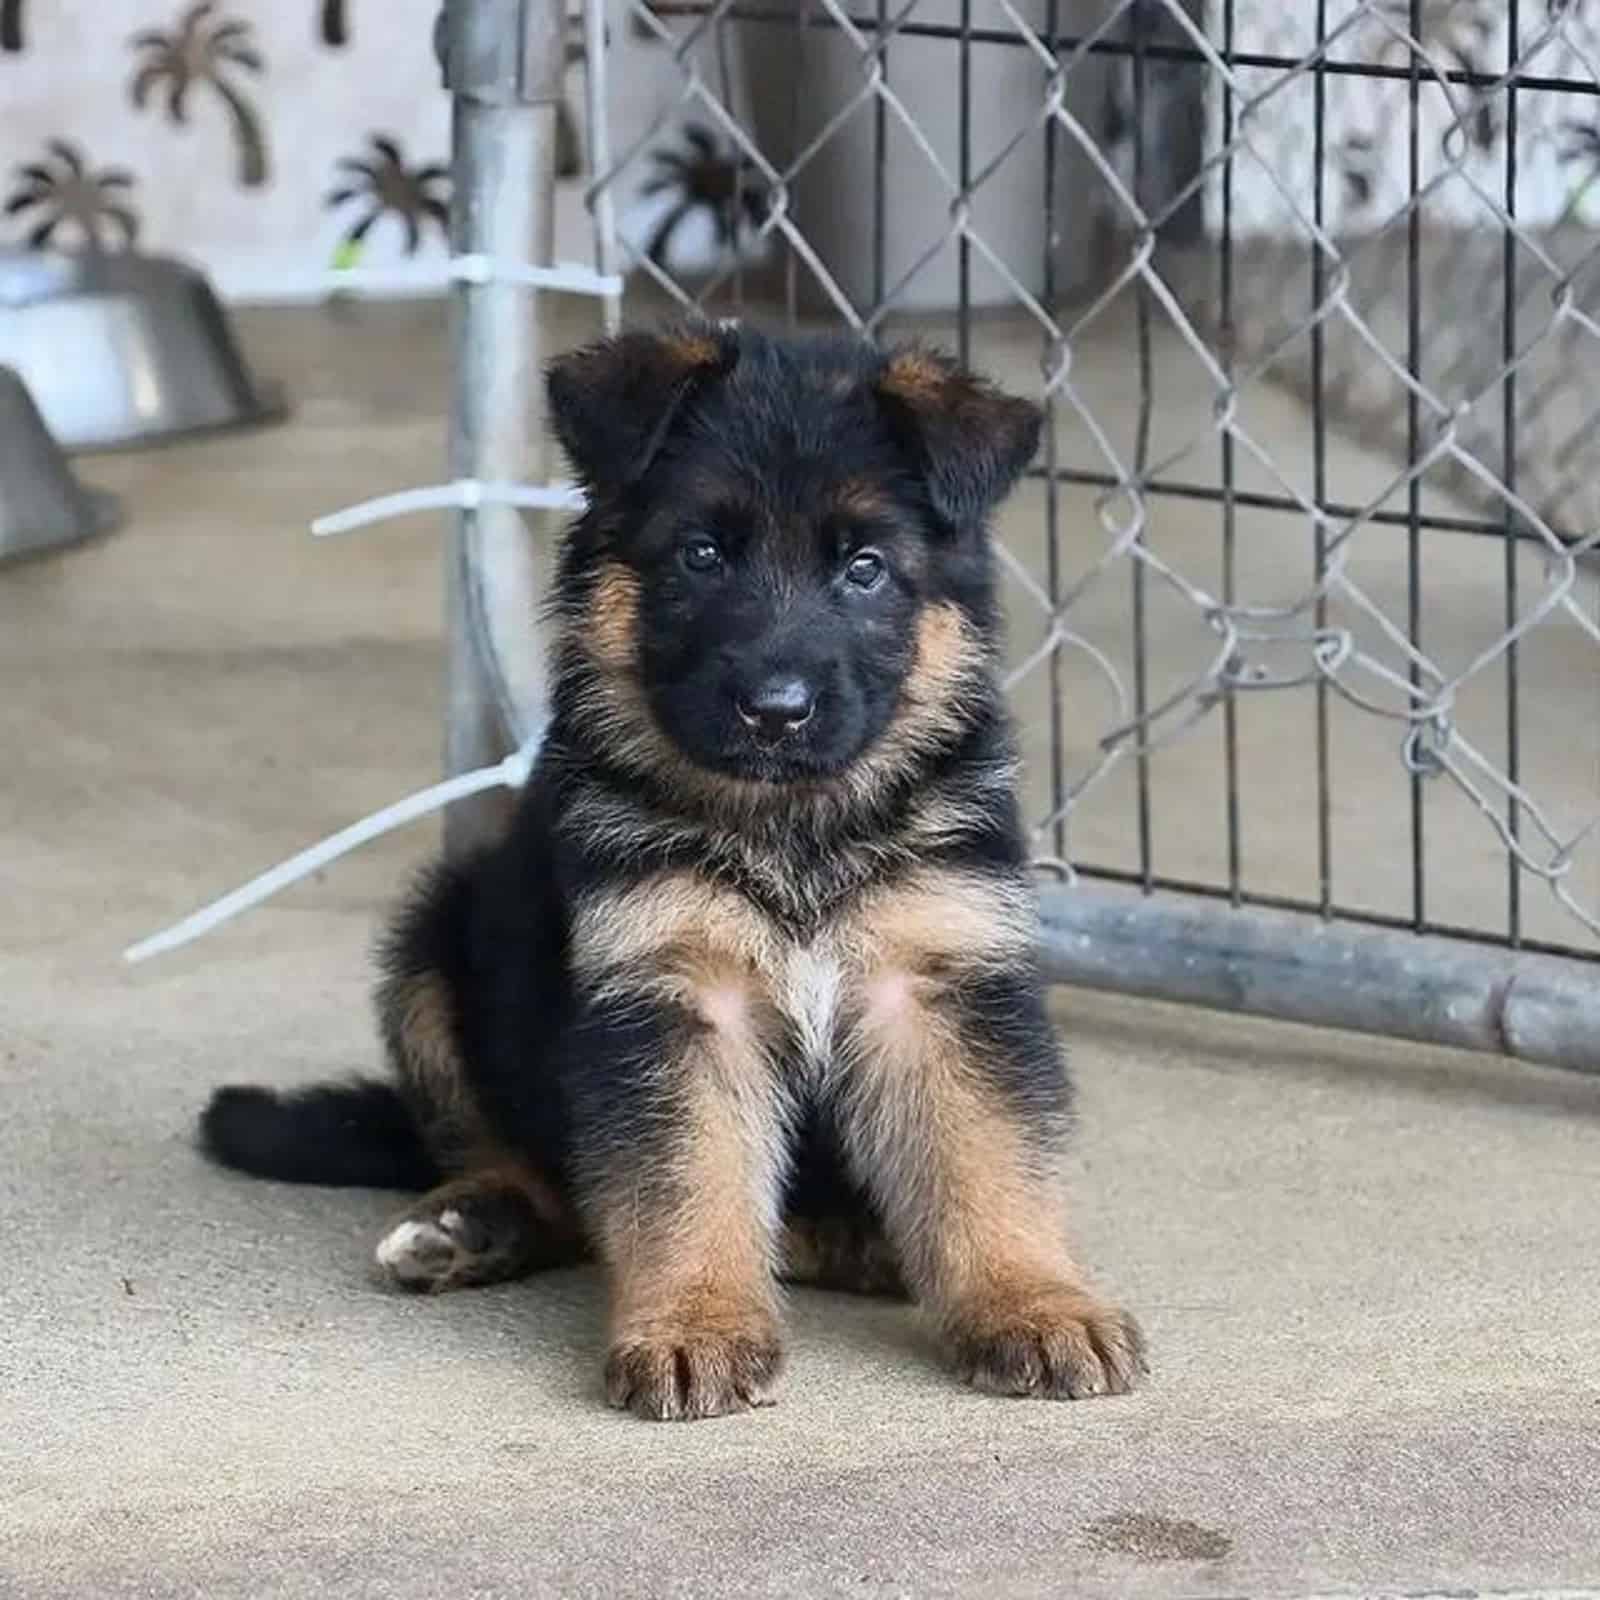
x=512 y=773
x=568 y=277
x=464 y=494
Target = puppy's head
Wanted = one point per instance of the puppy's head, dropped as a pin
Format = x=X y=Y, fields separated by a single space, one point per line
x=784 y=573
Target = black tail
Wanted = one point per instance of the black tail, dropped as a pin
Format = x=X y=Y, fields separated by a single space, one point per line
x=356 y=1134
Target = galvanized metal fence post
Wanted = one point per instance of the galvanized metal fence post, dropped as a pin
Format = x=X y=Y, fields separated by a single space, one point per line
x=502 y=62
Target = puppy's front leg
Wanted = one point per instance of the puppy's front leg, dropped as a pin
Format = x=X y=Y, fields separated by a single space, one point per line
x=953 y=1095
x=679 y=1149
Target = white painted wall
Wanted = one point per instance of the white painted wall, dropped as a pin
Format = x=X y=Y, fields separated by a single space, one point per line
x=313 y=103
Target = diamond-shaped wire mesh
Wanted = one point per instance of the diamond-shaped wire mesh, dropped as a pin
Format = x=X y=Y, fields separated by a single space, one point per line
x=1301 y=595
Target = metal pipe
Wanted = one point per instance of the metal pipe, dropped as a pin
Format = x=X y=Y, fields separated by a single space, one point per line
x=597 y=103
x=502 y=62
x=1539 y=1009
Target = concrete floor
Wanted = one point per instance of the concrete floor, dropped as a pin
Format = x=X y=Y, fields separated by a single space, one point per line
x=1369 y=1271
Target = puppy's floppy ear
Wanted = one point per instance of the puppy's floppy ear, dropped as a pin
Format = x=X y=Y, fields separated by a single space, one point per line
x=612 y=403
x=970 y=439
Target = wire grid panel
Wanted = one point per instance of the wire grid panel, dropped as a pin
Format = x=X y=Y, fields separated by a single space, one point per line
x=1261 y=647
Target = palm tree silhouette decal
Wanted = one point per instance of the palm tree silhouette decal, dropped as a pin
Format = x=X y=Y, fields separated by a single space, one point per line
x=10 y=25
x=202 y=50
x=62 y=191
x=335 y=22
x=706 y=178
x=387 y=187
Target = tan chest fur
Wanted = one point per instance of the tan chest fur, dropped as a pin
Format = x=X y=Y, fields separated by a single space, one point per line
x=713 y=952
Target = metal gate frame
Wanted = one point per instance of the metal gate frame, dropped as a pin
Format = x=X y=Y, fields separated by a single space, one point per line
x=502 y=61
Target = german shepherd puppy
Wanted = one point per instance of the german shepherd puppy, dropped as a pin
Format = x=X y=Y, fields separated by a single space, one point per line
x=749 y=991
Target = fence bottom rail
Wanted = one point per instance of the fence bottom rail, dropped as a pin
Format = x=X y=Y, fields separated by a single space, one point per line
x=1535 y=1008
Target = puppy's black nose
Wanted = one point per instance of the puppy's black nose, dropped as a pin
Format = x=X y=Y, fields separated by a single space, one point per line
x=778 y=706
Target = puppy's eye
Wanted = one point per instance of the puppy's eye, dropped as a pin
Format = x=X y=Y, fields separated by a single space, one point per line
x=700 y=554
x=865 y=569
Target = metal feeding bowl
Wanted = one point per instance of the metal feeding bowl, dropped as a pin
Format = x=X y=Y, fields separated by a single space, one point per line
x=125 y=349
x=42 y=505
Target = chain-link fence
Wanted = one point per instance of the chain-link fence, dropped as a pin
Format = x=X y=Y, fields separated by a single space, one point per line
x=1302 y=588
x=1163 y=219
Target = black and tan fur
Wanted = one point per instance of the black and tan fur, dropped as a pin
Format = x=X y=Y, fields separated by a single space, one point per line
x=746 y=993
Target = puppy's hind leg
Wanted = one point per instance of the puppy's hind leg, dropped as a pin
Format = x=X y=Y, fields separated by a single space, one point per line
x=847 y=1254
x=832 y=1236
x=497 y=1222
x=498 y=1216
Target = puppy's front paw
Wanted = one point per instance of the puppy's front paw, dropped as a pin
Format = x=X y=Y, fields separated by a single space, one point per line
x=678 y=1373
x=1055 y=1344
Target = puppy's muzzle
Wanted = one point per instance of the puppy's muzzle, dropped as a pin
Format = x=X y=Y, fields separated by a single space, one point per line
x=777 y=707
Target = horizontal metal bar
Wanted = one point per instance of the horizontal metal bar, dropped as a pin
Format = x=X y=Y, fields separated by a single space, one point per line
x=1538 y=1009
x=1067 y=43
x=1344 y=913
x=1217 y=494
